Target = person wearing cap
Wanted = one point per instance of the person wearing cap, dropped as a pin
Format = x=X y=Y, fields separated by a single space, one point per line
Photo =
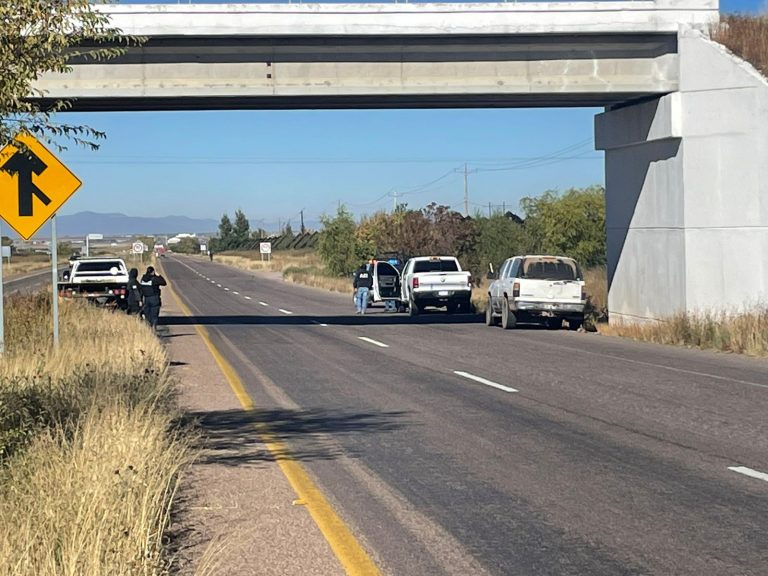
x=150 y=289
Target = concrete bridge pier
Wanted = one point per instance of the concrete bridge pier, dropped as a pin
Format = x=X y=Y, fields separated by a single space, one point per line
x=687 y=190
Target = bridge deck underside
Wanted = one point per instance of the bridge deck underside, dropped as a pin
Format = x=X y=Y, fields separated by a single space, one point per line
x=177 y=73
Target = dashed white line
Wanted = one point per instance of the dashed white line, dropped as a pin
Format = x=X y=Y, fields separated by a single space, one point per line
x=263 y=303
x=218 y=285
x=247 y=297
x=227 y=289
x=319 y=323
x=285 y=311
x=484 y=381
x=749 y=472
x=374 y=342
x=237 y=293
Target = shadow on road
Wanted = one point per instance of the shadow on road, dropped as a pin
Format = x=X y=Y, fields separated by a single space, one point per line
x=343 y=320
x=238 y=437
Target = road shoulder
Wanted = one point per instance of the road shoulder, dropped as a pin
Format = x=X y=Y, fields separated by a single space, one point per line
x=239 y=513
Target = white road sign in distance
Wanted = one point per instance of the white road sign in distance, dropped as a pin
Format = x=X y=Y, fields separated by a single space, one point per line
x=138 y=248
x=265 y=247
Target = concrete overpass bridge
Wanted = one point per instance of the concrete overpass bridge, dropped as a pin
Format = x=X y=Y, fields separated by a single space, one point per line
x=684 y=128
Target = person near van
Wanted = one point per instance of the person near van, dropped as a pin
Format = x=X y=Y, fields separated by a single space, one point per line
x=150 y=289
x=362 y=283
x=134 y=298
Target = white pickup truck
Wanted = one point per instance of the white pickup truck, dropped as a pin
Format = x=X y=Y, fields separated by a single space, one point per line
x=535 y=289
x=103 y=281
x=435 y=281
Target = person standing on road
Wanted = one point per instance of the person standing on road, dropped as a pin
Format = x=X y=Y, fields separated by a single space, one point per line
x=362 y=283
x=150 y=289
x=133 y=299
x=210 y=255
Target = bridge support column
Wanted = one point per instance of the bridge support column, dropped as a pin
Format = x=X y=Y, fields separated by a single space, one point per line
x=687 y=191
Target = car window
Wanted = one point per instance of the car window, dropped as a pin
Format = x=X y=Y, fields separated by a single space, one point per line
x=385 y=269
x=435 y=266
x=515 y=271
x=550 y=269
x=503 y=269
x=103 y=267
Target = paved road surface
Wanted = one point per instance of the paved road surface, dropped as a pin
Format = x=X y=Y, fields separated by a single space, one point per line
x=454 y=448
x=27 y=283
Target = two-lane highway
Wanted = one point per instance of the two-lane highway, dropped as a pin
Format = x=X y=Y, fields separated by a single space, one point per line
x=453 y=448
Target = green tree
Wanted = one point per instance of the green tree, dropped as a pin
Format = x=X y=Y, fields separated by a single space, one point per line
x=571 y=224
x=40 y=36
x=225 y=239
x=339 y=246
x=241 y=230
x=187 y=246
x=498 y=238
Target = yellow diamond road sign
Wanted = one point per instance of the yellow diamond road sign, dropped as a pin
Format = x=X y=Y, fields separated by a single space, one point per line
x=34 y=184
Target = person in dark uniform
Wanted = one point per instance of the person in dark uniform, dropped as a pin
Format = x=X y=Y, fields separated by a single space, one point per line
x=134 y=297
x=362 y=283
x=150 y=289
x=210 y=255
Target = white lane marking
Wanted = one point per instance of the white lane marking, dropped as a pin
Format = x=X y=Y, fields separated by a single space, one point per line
x=749 y=472
x=285 y=311
x=219 y=285
x=319 y=323
x=247 y=297
x=238 y=293
x=374 y=342
x=484 y=381
x=227 y=289
x=263 y=303
x=213 y=281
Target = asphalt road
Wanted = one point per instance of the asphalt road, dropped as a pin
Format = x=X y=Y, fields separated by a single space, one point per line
x=28 y=282
x=572 y=454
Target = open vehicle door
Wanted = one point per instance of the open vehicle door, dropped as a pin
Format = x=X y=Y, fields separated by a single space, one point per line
x=386 y=282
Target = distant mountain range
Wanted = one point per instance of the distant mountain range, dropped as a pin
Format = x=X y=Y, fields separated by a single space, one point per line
x=116 y=224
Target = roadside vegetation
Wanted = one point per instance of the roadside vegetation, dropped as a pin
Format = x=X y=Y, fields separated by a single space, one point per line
x=90 y=449
x=746 y=36
x=25 y=264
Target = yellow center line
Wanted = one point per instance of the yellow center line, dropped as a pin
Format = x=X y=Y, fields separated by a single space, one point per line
x=352 y=556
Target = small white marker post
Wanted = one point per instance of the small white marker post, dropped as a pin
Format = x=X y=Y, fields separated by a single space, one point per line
x=55 y=278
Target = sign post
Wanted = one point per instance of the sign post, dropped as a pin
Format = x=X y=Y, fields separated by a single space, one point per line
x=265 y=248
x=55 y=281
x=2 y=302
x=34 y=184
x=88 y=238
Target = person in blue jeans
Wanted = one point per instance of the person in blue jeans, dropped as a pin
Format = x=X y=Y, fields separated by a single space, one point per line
x=362 y=283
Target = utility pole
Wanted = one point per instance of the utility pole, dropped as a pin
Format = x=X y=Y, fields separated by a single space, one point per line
x=394 y=201
x=303 y=229
x=489 y=209
x=466 y=191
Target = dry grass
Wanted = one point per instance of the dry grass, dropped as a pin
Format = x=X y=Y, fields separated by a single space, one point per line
x=745 y=36
x=21 y=265
x=298 y=266
x=89 y=450
x=742 y=333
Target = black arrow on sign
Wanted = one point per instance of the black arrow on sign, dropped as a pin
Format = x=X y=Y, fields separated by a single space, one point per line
x=25 y=164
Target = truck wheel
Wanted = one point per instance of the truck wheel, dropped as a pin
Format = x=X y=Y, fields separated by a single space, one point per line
x=508 y=319
x=413 y=308
x=489 y=319
x=554 y=323
x=574 y=324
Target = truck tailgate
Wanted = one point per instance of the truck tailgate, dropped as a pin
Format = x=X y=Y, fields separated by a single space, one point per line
x=550 y=291
x=443 y=281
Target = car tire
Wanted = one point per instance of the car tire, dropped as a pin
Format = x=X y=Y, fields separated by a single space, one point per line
x=413 y=308
x=553 y=323
x=508 y=319
x=489 y=319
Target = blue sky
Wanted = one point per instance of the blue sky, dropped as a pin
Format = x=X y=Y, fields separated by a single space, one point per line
x=272 y=164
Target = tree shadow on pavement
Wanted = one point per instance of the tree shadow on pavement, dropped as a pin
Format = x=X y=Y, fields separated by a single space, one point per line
x=239 y=437
x=342 y=320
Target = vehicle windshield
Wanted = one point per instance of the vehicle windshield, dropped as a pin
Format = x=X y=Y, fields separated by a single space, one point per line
x=550 y=269
x=435 y=266
x=104 y=267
